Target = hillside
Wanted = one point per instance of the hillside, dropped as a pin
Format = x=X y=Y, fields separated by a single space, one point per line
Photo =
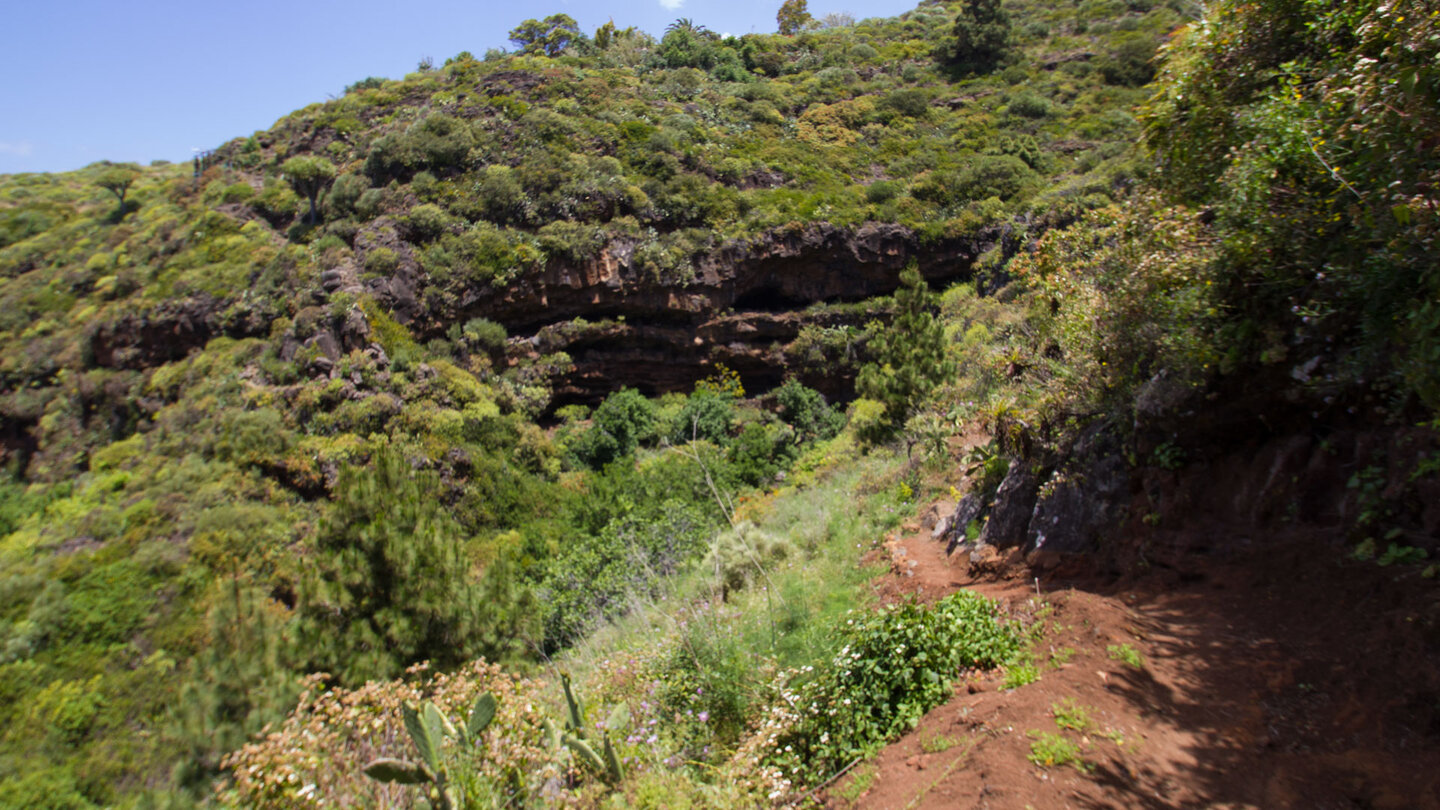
x=605 y=355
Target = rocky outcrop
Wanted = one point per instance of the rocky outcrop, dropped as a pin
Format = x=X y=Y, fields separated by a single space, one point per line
x=782 y=271
x=163 y=334
x=744 y=303
x=1009 y=521
x=1064 y=507
x=1081 y=499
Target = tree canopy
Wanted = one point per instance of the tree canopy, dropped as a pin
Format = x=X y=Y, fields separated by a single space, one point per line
x=982 y=36
x=309 y=176
x=550 y=36
x=117 y=180
x=792 y=17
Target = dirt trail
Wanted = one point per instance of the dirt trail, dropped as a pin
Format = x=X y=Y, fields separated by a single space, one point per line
x=1295 y=678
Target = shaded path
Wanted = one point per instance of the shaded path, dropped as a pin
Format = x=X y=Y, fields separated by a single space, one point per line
x=1295 y=678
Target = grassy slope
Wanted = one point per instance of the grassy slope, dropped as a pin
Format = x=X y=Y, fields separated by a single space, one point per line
x=150 y=482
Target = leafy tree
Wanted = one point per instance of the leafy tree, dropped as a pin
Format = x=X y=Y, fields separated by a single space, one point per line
x=117 y=180
x=621 y=421
x=910 y=358
x=793 y=17
x=605 y=35
x=309 y=176
x=687 y=44
x=390 y=583
x=805 y=410
x=550 y=36
x=982 y=36
x=707 y=415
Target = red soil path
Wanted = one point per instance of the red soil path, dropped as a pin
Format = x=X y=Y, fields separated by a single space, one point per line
x=1293 y=678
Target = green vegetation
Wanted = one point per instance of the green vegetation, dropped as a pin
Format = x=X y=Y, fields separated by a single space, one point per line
x=792 y=17
x=309 y=176
x=117 y=180
x=245 y=443
x=910 y=357
x=982 y=36
x=1051 y=750
x=1127 y=655
x=895 y=665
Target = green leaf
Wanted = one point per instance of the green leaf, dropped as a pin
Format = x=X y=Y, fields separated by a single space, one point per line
x=438 y=724
x=481 y=714
x=619 y=718
x=551 y=734
x=426 y=743
x=614 y=771
x=585 y=752
x=399 y=771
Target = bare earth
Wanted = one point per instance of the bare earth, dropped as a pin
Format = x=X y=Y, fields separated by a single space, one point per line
x=1289 y=678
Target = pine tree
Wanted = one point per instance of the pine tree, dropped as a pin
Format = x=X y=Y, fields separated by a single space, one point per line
x=391 y=584
x=910 y=358
x=236 y=685
x=982 y=36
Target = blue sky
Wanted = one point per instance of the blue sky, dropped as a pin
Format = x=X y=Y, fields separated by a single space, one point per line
x=85 y=80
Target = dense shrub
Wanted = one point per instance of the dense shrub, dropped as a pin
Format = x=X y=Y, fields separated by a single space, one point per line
x=426 y=223
x=893 y=666
x=344 y=194
x=707 y=415
x=437 y=142
x=599 y=577
x=806 y=411
x=1002 y=176
x=618 y=426
x=381 y=261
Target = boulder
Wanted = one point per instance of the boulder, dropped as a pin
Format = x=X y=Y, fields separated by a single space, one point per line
x=1009 y=520
x=1083 y=498
x=967 y=510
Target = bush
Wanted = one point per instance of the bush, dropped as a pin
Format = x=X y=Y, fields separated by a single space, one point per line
x=805 y=410
x=893 y=666
x=345 y=194
x=1002 y=176
x=596 y=577
x=426 y=223
x=438 y=142
x=277 y=202
x=381 y=261
x=317 y=756
x=502 y=196
x=485 y=335
x=237 y=193
x=707 y=415
x=619 y=424
x=1131 y=63
x=883 y=191
x=913 y=103
x=1029 y=105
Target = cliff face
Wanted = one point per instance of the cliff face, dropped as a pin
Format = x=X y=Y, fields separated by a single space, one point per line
x=745 y=307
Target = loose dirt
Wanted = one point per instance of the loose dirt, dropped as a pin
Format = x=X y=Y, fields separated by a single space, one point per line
x=1289 y=678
